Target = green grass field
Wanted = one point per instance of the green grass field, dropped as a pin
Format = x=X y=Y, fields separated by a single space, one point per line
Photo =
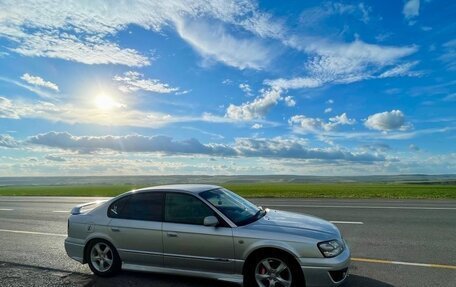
x=302 y=190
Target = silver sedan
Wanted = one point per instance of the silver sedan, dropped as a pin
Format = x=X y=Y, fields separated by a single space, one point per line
x=206 y=231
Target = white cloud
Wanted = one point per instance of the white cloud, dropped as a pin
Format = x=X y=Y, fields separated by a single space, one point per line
x=133 y=81
x=257 y=126
x=294 y=83
x=328 y=110
x=82 y=31
x=402 y=70
x=85 y=114
x=387 y=121
x=314 y=16
x=246 y=89
x=242 y=147
x=343 y=63
x=411 y=9
x=7 y=110
x=8 y=141
x=289 y=101
x=38 y=81
x=214 y=43
x=73 y=48
x=256 y=109
x=303 y=124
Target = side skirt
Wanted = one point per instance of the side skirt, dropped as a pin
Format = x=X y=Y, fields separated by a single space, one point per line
x=234 y=278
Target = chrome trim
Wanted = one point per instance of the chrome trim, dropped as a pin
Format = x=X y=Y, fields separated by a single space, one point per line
x=218 y=259
x=141 y=252
x=199 y=257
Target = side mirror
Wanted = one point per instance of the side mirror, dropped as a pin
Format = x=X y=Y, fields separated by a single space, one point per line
x=211 y=221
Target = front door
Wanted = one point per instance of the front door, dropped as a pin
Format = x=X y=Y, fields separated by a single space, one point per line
x=188 y=244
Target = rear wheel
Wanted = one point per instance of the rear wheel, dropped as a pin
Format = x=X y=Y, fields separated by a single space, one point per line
x=103 y=258
x=273 y=270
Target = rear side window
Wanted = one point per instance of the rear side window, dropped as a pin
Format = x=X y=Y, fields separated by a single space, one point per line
x=141 y=206
x=185 y=208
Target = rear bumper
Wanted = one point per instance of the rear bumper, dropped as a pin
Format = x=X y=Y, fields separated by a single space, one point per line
x=74 y=249
x=326 y=271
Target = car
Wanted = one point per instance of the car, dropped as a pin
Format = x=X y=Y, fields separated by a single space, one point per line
x=206 y=231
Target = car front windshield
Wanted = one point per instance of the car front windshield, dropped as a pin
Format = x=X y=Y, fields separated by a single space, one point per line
x=236 y=208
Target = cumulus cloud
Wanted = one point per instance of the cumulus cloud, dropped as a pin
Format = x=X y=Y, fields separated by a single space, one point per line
x=305 y=124
x=133 y=81
x=387 y=121
x=411 y=9
x=8 y=141
x=38 y=81
x=289 y=101
x=328 y=110
x=256 y=109
x=246 y=89
x=242 y=147
x=257 y=126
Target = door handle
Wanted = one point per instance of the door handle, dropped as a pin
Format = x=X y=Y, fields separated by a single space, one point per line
x=172 y=234
x=114 y=229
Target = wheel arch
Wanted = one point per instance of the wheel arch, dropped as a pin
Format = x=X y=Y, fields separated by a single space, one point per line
x=263 y=250
x=91 y=239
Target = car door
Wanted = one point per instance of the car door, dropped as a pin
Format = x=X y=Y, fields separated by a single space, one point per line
x=136 y=228
x=188 y=244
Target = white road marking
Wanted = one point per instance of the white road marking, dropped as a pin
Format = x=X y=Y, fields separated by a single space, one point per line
x=61 y=211
x=347 y=222
x=363 y=206
x=6 y=209
x=32 y=232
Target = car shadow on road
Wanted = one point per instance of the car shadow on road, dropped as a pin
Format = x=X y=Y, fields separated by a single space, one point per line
x=132 y=279
x=360 y=281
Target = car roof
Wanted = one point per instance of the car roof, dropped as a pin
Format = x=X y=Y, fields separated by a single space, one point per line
x=195 y=188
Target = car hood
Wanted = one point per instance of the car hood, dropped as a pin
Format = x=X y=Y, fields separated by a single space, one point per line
x=295 y=223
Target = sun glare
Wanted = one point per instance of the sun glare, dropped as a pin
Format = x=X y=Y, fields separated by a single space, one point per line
x=105 y=103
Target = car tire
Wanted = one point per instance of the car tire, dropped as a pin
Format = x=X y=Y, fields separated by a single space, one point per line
x=271 y=267
x=103 y=258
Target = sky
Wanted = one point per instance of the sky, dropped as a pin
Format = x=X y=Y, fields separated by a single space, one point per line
x=227 y=87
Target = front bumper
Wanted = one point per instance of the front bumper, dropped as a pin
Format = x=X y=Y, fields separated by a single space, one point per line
x=74 y=249
x=326 y=271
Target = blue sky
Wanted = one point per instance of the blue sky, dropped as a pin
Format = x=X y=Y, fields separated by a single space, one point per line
x=227 y=87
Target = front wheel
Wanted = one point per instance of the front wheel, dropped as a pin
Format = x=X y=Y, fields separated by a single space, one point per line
x=273 y=270
x=103 y=258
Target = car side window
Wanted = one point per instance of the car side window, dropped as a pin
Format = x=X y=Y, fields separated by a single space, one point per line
x=142 y=206
x=185 y=208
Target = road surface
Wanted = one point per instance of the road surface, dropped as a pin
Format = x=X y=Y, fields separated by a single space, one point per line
x=393 y=243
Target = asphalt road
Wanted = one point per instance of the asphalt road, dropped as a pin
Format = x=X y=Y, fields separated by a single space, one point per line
x=389 y=240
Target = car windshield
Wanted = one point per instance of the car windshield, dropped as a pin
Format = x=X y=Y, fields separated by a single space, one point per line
x=236 y=208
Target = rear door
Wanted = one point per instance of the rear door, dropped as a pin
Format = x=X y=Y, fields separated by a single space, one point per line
x=188 y=244
x=136 y=228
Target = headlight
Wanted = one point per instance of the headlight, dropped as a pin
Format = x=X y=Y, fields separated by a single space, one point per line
x=331 y=248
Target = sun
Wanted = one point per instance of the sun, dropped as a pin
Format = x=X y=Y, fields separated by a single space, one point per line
x=105 y=103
